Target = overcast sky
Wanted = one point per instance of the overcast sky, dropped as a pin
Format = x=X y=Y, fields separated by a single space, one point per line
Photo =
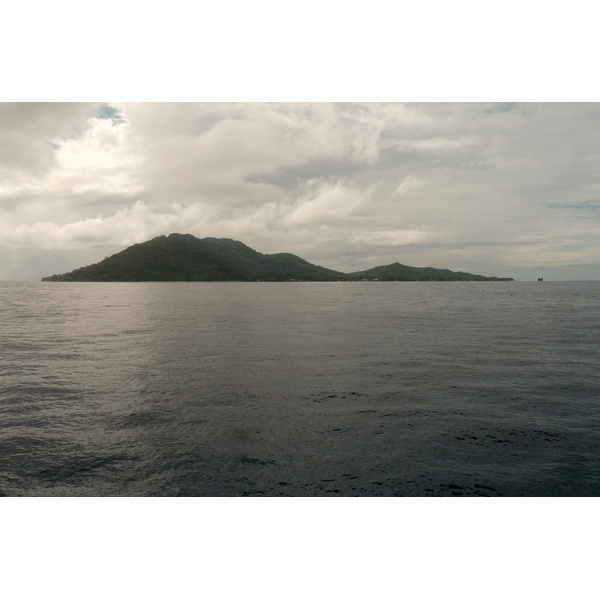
x=495 y=189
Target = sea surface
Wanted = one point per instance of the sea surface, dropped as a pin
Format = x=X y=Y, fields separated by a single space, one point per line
x=300 y=389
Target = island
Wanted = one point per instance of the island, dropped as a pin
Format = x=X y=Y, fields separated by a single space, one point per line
x=184 y=257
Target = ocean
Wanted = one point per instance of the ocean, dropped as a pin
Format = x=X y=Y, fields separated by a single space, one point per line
x=300 y=389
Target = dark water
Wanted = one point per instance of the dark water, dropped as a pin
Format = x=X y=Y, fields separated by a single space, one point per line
x=311 y=389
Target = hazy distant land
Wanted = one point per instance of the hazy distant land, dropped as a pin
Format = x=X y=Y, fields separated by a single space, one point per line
x=183 y=257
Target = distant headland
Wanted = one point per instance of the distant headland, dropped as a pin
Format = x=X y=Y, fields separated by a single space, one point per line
x=183 y=257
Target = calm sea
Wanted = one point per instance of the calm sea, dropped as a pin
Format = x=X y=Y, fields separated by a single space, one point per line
x=300 y=389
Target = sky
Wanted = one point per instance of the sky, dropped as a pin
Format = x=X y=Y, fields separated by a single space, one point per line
x=506 y=189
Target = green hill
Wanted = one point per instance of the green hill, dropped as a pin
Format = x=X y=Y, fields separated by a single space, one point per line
x=398 y=272
x=183 y=257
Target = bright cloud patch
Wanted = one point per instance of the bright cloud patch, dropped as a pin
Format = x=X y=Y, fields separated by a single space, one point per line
x=436 y=144
x=324 y=202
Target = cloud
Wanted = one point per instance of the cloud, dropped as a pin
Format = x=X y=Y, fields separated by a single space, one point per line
x=29 y=132
x=322 y=201
x=451 y=185
x=408 y=185
x=394 y=237
x=124 y=227
x=226 y=153
x=436 y=144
